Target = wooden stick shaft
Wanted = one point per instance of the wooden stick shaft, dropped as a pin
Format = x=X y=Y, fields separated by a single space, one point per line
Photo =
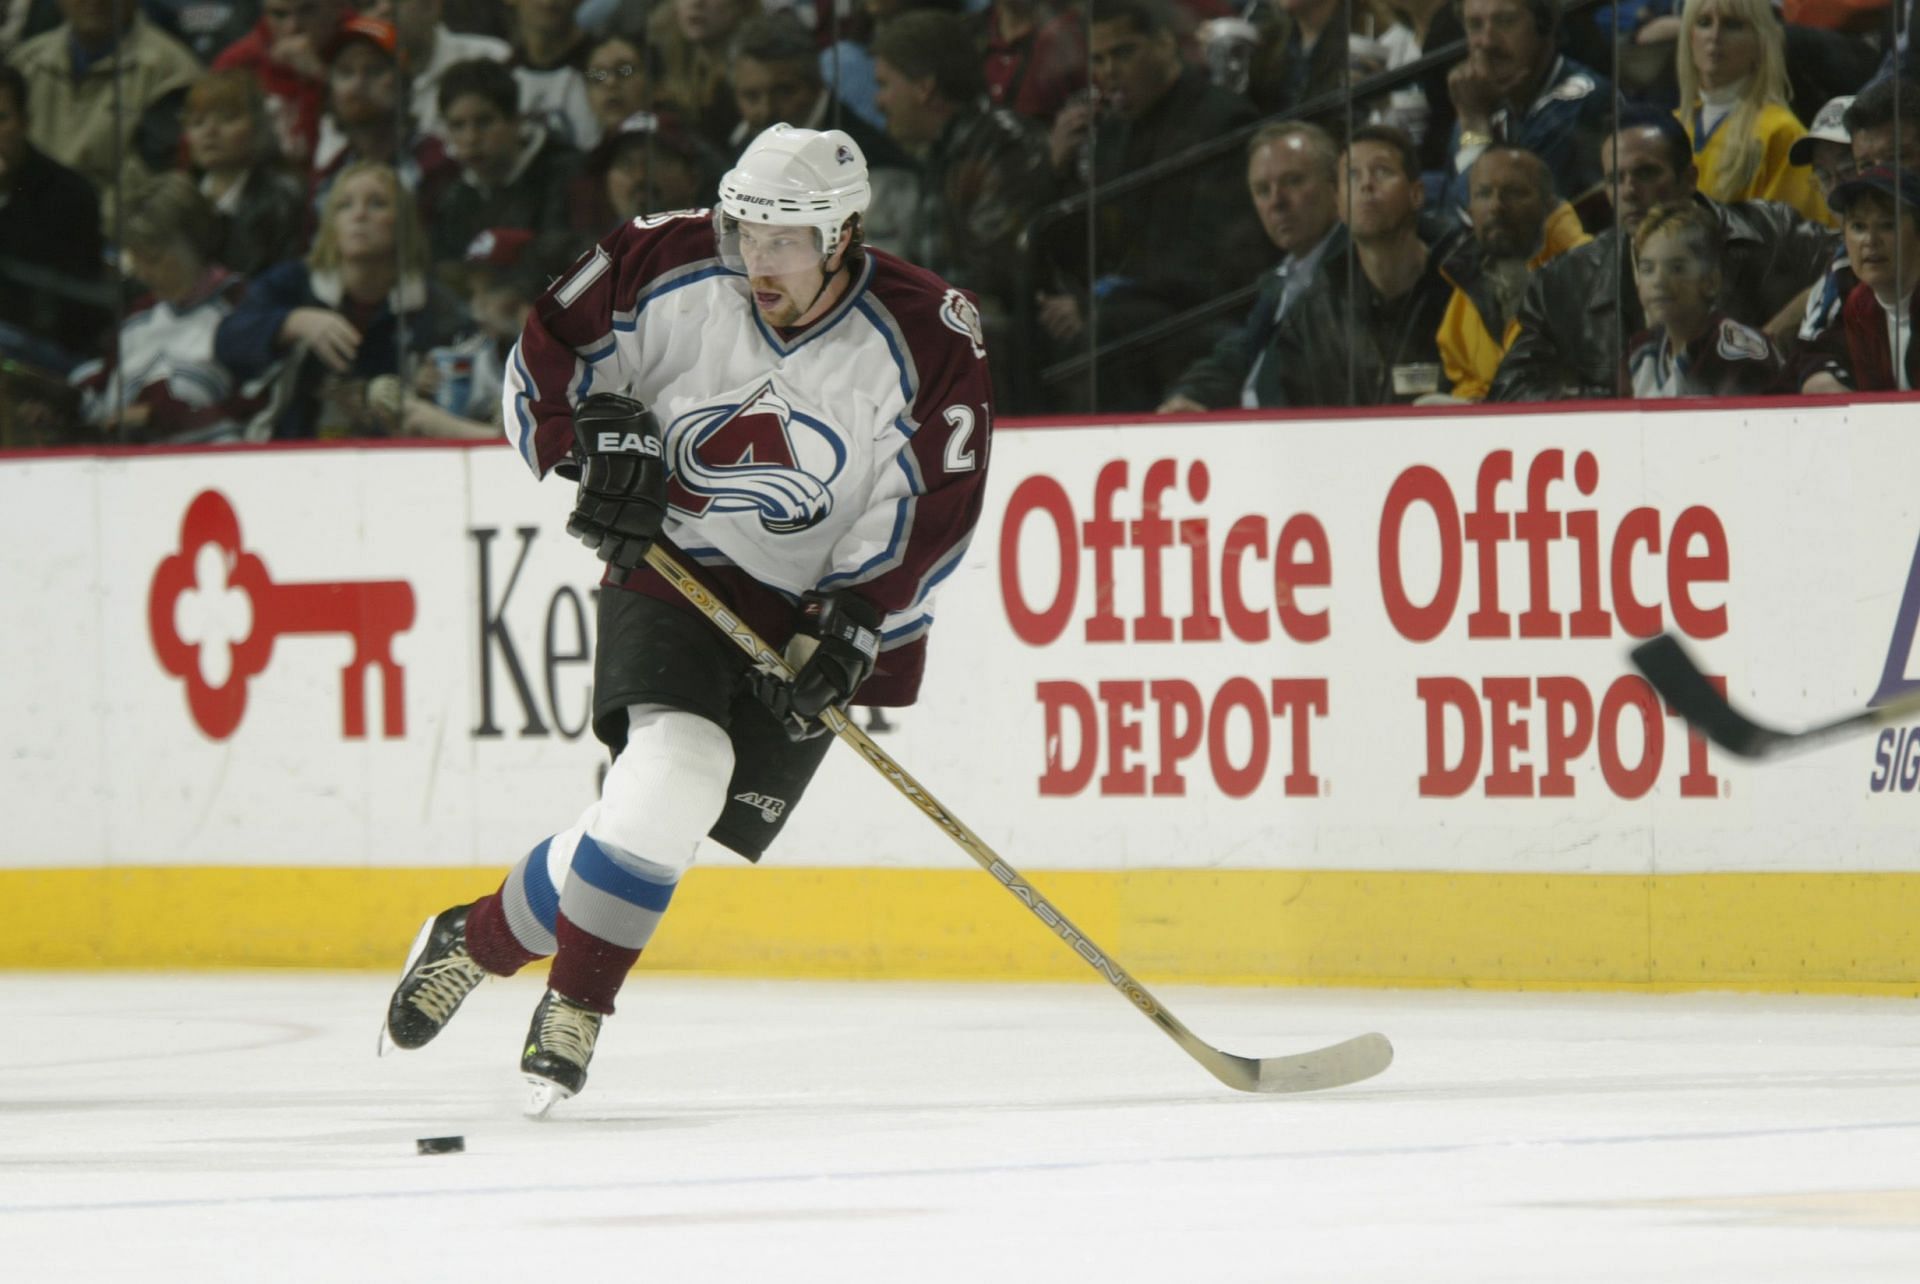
x=743 y=636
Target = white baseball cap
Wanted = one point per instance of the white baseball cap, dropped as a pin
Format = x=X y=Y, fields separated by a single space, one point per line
x=1830 y=126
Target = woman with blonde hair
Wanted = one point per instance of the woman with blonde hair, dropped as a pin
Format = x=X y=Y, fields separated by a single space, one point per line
x=325 y=329
x=1731 y=62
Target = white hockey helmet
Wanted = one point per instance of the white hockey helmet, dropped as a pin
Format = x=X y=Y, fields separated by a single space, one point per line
x=792 y=177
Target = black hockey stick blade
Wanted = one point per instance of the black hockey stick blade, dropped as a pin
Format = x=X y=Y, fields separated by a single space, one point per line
x=1330 y=1067
x=1679 y=681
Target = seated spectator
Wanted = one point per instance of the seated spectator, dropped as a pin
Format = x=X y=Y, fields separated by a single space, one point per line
x=846 y=63
x=1363 y=332
x=691 y=38
x=649 y=165
x=287 y=53
x=1515 y=88
x=1518 y=226
x=983 y=170
x=549 y=61
x=315 y=334
x=458 y=387
x=427 y=48
x=1689 y=348
x=620 y=75
x=105 y=64
x=1035 y=56
x=512 y=173
x=1163 y=249
x=50 y=245
x=775 y=75
x=1291 y=173
x=1578 y=308
x=1875 y=144
x=260 y=211
x=1733 y=102
x=365 y=121
x=776 y=79
x=1883 y=124
x=1870 y=347
x=160 y=381
x=1826 y=149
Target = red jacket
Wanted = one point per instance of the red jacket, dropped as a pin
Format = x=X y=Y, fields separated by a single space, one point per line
x=1870 y=347
x=296 y=100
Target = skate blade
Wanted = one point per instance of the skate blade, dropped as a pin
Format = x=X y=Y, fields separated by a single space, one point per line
x=541 y=1095
x=382 y=1045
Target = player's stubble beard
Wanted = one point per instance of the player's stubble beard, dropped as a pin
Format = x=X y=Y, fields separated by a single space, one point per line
x=783 y=314
x=789 y=312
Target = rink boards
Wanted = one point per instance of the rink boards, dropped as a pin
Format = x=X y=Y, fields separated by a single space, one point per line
x=1337 y=701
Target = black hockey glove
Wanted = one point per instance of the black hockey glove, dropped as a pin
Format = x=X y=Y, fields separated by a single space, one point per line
x=833 y=654
x=622 y=470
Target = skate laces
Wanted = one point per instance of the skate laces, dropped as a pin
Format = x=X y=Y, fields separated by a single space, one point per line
x=568 y=1032
x=443 y=983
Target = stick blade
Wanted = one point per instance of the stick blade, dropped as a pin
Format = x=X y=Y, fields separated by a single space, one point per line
x=1333 y=1066
x=1679 y=681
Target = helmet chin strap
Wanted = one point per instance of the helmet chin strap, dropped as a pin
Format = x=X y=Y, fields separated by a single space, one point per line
x=826 y=278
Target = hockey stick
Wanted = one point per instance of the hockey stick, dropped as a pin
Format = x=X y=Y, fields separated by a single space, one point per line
x=1679 y=682
x=1329 y=1067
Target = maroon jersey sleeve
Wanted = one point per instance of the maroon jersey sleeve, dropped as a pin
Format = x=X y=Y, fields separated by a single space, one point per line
x=942 y=466
x=567 y=349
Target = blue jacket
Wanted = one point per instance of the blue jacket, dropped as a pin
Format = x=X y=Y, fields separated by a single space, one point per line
x=1564 y=127
x=246 y=342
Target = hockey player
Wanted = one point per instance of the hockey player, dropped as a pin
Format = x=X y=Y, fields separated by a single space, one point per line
x=806 y=421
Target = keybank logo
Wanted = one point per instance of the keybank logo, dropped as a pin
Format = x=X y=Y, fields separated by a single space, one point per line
x=1896 y=751
x=214 y=617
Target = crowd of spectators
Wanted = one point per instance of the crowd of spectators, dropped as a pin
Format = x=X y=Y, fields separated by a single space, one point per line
x=252 y=219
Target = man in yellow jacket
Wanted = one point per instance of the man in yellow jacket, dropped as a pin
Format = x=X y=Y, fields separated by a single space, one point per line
x=1519 y=224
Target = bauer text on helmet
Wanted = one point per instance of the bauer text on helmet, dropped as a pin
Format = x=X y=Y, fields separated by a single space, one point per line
x=794 y=178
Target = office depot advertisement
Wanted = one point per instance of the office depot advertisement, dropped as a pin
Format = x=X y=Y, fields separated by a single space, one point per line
x=1359 y=644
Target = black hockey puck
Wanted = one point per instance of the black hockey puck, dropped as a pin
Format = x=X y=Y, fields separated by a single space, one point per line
x=440 y=1145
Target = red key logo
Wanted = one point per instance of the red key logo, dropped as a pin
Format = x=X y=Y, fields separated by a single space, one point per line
x=213 y=615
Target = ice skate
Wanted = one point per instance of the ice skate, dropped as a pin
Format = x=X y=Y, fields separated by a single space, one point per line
x=559 y=1046
x=439 y=975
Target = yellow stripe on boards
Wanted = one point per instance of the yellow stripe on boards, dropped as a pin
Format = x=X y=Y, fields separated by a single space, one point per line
x=1834 y=933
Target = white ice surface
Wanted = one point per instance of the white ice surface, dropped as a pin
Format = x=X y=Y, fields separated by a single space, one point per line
x=161 y=1128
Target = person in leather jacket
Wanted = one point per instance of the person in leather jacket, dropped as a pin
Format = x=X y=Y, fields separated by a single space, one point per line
x=1578 y=309
x=983 y=169
x=1364 y=332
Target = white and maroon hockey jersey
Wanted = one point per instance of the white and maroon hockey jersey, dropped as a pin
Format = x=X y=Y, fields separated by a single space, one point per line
x=163 y=362
x=848 y=455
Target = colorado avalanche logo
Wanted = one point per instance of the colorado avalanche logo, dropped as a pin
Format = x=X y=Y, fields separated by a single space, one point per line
x=959 y=315
x=759 y=456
